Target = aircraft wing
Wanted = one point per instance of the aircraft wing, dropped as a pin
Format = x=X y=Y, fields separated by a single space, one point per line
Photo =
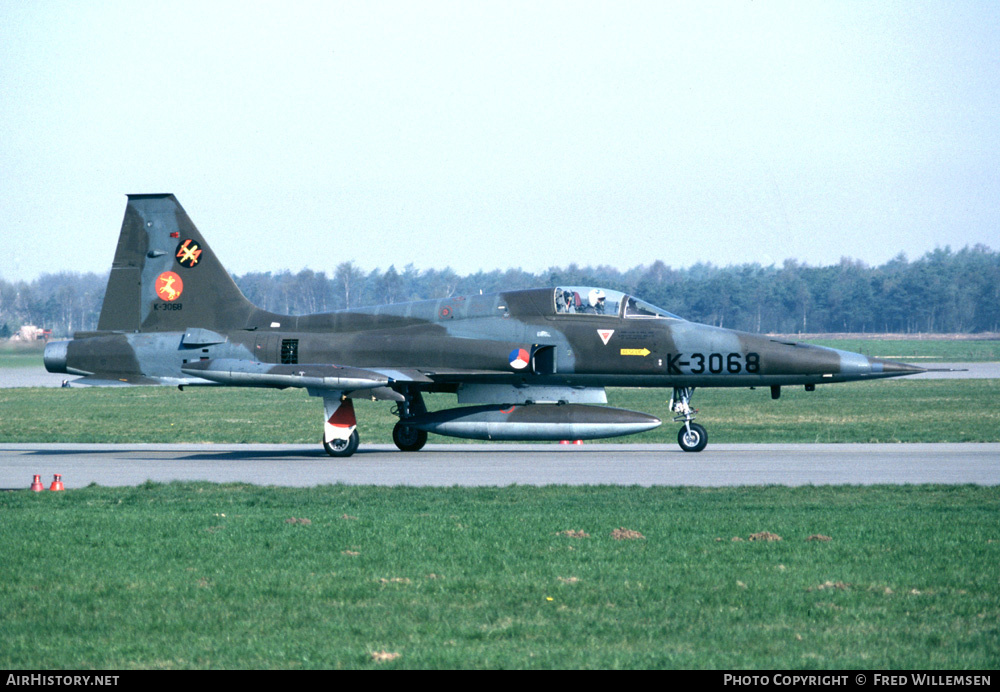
x=235 y=372
x=247 y=373
x=117 y=380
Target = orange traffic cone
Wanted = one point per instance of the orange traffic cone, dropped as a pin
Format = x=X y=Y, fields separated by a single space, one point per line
x=57 y=483
x=36 y=485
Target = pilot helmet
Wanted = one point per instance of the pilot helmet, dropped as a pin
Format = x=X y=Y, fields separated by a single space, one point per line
x=595 y=296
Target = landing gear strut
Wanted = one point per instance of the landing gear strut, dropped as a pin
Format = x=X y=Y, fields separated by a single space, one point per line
x=692 y=437
x=406 y=437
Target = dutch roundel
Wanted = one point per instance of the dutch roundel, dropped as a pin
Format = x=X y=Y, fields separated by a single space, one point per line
x=519 y=358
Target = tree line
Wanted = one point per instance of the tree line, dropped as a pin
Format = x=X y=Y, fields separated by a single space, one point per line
x=942 y=291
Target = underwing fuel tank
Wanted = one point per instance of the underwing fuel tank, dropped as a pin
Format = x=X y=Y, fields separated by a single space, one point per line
x=534 y=422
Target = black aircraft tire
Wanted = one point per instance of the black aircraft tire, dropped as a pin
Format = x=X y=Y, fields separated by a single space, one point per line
x=408 y=438
x=342 y=448
x=693 y=441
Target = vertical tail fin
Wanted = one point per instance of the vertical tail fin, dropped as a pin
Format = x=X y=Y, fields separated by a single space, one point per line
x=165 y=277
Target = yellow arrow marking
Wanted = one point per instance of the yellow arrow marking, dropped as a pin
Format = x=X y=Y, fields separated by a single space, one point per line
x=635 y=352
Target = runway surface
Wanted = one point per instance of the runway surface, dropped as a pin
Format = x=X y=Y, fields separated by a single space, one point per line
x=958 y=371
x=504 y=464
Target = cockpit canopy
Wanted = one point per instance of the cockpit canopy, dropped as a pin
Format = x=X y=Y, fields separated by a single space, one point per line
x=587 y=300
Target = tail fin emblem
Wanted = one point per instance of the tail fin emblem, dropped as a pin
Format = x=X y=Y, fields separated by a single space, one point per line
x=169 y=286
x=188 y=253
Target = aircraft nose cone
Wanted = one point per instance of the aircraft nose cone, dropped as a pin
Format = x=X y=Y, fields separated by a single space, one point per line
x=892 y=367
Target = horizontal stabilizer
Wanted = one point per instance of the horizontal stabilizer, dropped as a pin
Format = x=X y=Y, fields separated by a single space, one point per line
x=202 y=337
x=248 y=373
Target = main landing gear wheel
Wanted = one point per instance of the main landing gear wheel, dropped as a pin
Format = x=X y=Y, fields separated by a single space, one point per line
x=692 y=438
x=408 y=438
x=342 y=448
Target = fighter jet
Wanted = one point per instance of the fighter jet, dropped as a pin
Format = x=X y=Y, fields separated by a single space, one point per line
x=525 y=364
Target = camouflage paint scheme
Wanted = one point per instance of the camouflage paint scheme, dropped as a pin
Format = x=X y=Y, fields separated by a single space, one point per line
x=172 y=315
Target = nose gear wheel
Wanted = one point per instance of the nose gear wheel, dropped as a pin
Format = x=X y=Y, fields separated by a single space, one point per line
x=692 y=438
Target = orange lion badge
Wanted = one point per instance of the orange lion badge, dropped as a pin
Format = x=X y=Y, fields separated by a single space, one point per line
x=169 y=286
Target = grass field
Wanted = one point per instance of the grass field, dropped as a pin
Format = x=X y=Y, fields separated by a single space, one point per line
x=885 y=411
x=219 y=576
x=21 y=355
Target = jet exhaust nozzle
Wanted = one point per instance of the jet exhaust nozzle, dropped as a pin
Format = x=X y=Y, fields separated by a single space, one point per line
x=55 y=356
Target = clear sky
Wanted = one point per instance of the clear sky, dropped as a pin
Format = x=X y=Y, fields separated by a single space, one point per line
x=488 y=135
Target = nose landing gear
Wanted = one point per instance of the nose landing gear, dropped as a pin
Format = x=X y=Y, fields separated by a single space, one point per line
x=692 y=437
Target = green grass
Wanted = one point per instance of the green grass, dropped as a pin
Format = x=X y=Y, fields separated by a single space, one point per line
x=215 y=576
x=21 y=355
x=886 y=411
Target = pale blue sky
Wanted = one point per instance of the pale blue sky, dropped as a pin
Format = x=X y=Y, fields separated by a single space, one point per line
x=482 y=135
